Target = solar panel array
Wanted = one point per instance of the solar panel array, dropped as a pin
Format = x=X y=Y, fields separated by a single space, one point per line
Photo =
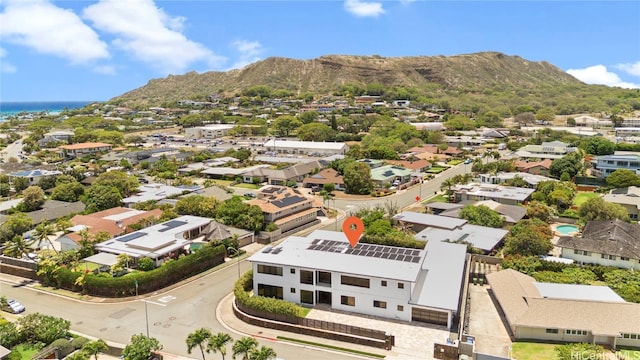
x=368 y=250
x=132 y=236
x=289 y=200
x=172 y=225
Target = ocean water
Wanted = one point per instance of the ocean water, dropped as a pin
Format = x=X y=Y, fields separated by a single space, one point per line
x=8 y=108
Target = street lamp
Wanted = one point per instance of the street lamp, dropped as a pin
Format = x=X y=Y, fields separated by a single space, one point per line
x=238 y=256
x=146 y=315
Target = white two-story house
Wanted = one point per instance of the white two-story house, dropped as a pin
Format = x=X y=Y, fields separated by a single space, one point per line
x=385 y=281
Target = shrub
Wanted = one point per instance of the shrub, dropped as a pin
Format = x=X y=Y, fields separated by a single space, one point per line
x=146 y=264
x=270 y=305
x=78 y=342
x=64 y=346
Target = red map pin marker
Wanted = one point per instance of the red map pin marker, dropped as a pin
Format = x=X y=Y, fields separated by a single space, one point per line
x=353 y=228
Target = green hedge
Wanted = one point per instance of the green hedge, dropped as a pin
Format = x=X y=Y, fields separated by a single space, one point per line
x=169 y=273
x=260 y=303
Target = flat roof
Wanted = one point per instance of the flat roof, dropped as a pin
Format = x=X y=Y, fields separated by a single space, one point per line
x=158 y=192
x=430 y=220
x=495 y=191
x=577 y=292
x=307 y=145
x=481 y=237
x=155 y=240
x=441 y=279
x=295 y=251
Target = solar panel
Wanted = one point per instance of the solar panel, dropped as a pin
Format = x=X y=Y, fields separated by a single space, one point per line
x=132 y=236
x=284 y=202
x=367 y=250
x=172 y=225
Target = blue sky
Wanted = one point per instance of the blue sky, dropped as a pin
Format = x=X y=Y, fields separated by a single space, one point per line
x=98 y=49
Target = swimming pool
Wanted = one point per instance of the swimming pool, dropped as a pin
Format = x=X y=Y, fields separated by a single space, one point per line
x=566 y=229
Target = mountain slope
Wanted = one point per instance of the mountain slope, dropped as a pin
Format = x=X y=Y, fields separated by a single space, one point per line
x=326 y=73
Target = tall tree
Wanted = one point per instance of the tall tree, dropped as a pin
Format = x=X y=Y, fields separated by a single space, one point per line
x=598 y=209
x=623 y=178
x=198 y=338
x=18 y=246
x=218 y=343
x=262 y=353
x=33 y=198
x=43 y=232
x=244 y=346
x=102 y=197
x=357 y=178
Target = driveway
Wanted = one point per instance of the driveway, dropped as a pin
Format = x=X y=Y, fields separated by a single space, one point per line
x=486 y=324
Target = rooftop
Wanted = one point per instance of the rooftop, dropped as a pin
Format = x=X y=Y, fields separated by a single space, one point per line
x=481 y=237
x=494 y=191
x=307 y=145
x=156 y=240
x=611 y=237
x=430 y=220
x=87 y=145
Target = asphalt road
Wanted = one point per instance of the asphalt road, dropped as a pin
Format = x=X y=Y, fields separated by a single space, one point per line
x=401 y=199
x=172 y=315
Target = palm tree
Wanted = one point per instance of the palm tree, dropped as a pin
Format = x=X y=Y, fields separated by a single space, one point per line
x=18 y=246
x=78 y=355
x=198 y=338
x=93 y=348
x=43 y=232
x=244 y=346
x=264 y=353
x=219 y=343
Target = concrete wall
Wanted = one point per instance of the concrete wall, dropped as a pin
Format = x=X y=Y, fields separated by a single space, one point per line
x=541 y=334
x=596 y=258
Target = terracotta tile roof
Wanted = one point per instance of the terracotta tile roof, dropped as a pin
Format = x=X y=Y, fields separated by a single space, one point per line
x=98 y=222
x=325 y=176
x=413 y=165
x=273 y=199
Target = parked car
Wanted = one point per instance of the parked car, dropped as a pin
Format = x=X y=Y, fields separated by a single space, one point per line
x=13 y=307
x=468 y=161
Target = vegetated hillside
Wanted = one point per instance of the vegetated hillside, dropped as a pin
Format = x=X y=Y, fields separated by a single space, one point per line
x=327 y=73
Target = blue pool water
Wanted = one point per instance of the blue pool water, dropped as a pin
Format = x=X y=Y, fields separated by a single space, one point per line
x=566 y=229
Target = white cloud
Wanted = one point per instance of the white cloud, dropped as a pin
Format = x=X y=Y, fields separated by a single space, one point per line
x=364 y=8
x=5 y=66
x=151 y=35
x=249 y=52
x=49 y=29
x=105 y=69
x=630 y=68
x=599 y=74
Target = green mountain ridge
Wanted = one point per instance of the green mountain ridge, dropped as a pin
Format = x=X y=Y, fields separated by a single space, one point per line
x=326 y=73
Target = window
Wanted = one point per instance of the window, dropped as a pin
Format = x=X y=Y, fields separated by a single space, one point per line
x=324 y=277
x=379 y=304
x=383 y=283
x=552 y=331
x=293 y=290
x=354 y=281
x=624 y=258
x=306 y=277
x=271 y=270
x=306 y=297
x=348 y=300
x=400 y=285
x=575 y=332
x=608 y=257
x=400 y=308
x=270 y=291
x=292 y=271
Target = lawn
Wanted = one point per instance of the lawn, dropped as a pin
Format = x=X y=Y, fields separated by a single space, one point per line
x=222 y=182
x=532 y=351
x=26 y=351
x=583 y=196
x=436 y=169
x=455 y=162
x=438 y=198
x=247 y=186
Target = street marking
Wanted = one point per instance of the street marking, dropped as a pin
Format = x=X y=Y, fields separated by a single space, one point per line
x=154 y=303
x=166 y=299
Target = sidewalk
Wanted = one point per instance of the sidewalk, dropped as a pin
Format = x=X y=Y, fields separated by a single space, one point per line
x=226 y=317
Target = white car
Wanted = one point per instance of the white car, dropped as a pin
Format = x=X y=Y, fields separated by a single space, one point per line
x=14 y=307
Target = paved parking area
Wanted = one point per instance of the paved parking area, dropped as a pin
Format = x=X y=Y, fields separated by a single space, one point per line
x=413 y=340
x=486 y=325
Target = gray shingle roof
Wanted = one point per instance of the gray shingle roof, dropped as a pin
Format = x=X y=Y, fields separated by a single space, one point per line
x=607 y=237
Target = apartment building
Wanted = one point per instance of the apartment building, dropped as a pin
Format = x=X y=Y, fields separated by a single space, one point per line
x=604 y=165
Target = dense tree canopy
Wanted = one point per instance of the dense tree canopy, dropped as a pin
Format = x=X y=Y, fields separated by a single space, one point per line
x=598 y=209
x=529 y=237
x=357 y=178
x=120 y=180
x=33 y=199
x=481 y=215
x=623 y=178
x=570 y=164
x=598 y=145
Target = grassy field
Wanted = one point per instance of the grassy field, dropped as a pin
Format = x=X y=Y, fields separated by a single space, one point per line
x=438 y=198
x=25 y=351
x=436 y=169
x=583 y=196
x=533 y=351
x=248 y=186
